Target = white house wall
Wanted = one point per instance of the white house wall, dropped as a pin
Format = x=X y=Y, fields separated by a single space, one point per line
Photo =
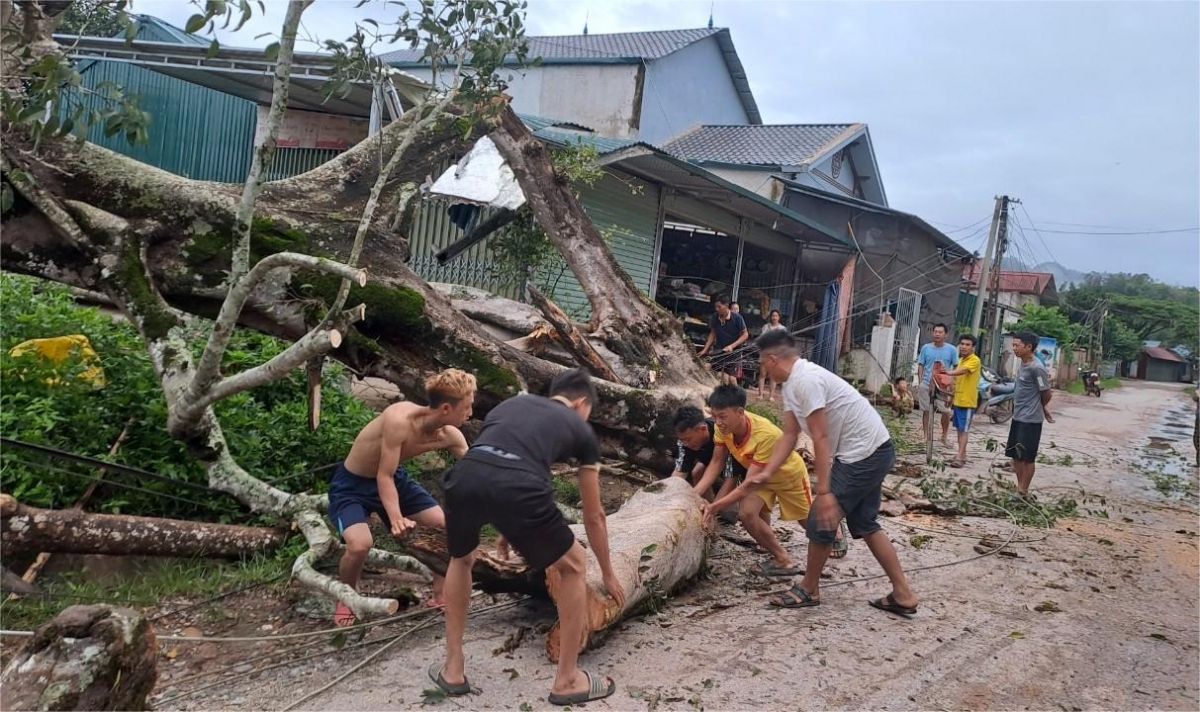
x=755 y=180
x=600 y=97
x=688 y=87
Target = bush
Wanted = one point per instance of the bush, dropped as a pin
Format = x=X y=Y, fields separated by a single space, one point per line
x=266 y=428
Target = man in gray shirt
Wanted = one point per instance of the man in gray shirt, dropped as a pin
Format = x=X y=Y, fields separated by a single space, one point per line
x=1030 y=408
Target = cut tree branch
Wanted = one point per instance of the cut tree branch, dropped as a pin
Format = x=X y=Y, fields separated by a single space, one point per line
x=320 y=545
x=570 y=338
x=235 y=301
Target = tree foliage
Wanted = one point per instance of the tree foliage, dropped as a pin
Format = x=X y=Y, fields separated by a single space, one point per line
x=94 y=18
x=266 y=427
x=1135 y=308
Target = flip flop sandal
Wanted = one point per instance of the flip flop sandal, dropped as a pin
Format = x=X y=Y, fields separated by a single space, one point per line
x=462 y=688
x=794 y=597
x=841 y=546
x=770 y=570
x=343 y=617
x=889 y=605
x=597 y=690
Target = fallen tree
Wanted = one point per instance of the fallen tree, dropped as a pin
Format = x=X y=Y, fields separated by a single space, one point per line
x=73 y=531
x=656 y=543
x=284 y=257
x=85 y=658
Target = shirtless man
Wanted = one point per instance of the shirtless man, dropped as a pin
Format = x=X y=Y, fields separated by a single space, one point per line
x=372 y=479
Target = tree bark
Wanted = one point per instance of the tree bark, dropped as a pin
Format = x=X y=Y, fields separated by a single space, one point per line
x=24 y=528
x=570 y=338
x=85 y=658
x=656 y=543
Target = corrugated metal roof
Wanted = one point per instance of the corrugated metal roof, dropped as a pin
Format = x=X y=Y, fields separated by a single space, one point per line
x=763 y=145
x=1161 y=354
x=1017 y=282
x=616 y=46
x=152 y=29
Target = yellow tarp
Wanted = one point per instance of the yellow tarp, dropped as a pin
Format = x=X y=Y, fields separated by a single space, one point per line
x=58 y=349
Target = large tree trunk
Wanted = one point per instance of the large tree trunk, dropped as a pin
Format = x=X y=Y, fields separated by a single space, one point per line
x=656 y=543
x=85 y=658
x=73 y=531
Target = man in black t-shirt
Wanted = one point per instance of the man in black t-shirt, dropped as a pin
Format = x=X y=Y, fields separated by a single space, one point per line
x=694 y=450
x=504 y=480
x=726 y=332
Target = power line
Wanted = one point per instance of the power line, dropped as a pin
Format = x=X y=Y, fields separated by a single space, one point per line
x=1119 y=234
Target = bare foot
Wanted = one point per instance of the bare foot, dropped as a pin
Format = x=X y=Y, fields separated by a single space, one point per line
x=437 y=601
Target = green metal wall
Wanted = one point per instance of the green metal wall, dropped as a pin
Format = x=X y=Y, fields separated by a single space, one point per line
x=625 y=211
x=194 y=131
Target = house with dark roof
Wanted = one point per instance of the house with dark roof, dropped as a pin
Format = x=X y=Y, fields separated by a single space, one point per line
x=835 y=158
x=1163 y=365
x=646 y=86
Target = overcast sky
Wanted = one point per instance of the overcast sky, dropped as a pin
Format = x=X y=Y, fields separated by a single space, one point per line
x=1088 y=112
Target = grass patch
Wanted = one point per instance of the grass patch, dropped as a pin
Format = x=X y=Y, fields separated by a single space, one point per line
x=146 y=589
x=1076 y=386
x=566 y=490
x=766 y=410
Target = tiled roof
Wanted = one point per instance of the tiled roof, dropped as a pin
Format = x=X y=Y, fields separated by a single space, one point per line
x=621 y=45
x=1161 y=354
x=763 y=145
x=1018 y=282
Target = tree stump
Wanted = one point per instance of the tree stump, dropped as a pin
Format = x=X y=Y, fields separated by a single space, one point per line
x=85 y=658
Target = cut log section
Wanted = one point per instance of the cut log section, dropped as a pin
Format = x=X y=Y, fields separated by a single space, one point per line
x=24 y=528
x=569 y=337
x=656 y=542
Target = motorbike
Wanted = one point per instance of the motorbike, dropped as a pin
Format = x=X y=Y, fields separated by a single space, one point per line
x=996 y=396
x=1091 y=383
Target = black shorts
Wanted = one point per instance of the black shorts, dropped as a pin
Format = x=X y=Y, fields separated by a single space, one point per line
x=484 y=489
x=1023 y=441
x=858 y=488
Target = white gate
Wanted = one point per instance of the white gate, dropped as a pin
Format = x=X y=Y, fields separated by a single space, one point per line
x=908 y=332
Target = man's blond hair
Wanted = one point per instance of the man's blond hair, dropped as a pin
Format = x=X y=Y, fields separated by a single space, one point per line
x=449 y=386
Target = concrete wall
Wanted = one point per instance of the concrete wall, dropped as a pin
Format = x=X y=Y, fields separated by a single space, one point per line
x=903 y=255
x=600 y=96
x=689 y=87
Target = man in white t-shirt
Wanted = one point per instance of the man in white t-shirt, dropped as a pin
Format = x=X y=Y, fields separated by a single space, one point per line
x=853 y=453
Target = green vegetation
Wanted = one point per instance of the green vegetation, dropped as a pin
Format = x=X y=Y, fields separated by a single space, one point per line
x=1107 y=384
x=566 y=490
x=898 y=428
x=266 y=427
x=998 y=498
x=149 y=587
x=767 y=410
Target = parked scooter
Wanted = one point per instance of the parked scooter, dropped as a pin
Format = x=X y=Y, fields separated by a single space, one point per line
x=1091 y=383
x=996 y=396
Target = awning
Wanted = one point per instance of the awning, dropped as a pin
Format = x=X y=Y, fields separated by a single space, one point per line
x=245 y=73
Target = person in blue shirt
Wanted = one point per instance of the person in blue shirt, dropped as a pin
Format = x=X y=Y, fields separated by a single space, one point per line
x=930 y=354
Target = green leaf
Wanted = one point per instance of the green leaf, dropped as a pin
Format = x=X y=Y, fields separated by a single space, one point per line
x=6 y=198
x=213 y=48
x=194 y=23
x=272 y=52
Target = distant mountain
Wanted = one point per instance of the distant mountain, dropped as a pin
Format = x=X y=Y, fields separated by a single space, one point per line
x=1062 y=275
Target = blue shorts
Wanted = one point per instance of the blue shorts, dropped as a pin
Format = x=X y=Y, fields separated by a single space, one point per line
x=961 y=417
x=353 y=498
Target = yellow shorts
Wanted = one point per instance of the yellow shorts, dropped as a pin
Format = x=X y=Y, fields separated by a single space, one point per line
x=791 y=491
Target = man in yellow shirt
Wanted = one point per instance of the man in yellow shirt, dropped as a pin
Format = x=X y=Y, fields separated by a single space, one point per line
x=750 y=438
x=966 y=393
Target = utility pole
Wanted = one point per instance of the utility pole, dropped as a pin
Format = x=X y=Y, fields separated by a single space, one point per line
x=998 y=317
x=982 y=281
x=1100 y=347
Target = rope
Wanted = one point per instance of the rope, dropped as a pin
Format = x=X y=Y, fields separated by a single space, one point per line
x=101 y=464
x=134 y=488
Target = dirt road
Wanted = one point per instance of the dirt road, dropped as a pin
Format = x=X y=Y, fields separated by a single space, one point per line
x=1117 y=628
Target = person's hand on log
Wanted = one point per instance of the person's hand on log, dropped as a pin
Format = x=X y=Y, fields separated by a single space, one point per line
x=710 y=516
x=615 y=589
x=402 y=525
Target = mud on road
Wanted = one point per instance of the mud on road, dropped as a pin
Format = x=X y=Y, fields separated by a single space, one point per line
x=1099 y=612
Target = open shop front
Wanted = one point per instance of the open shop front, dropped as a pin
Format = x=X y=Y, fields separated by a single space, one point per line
x=714 y=237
